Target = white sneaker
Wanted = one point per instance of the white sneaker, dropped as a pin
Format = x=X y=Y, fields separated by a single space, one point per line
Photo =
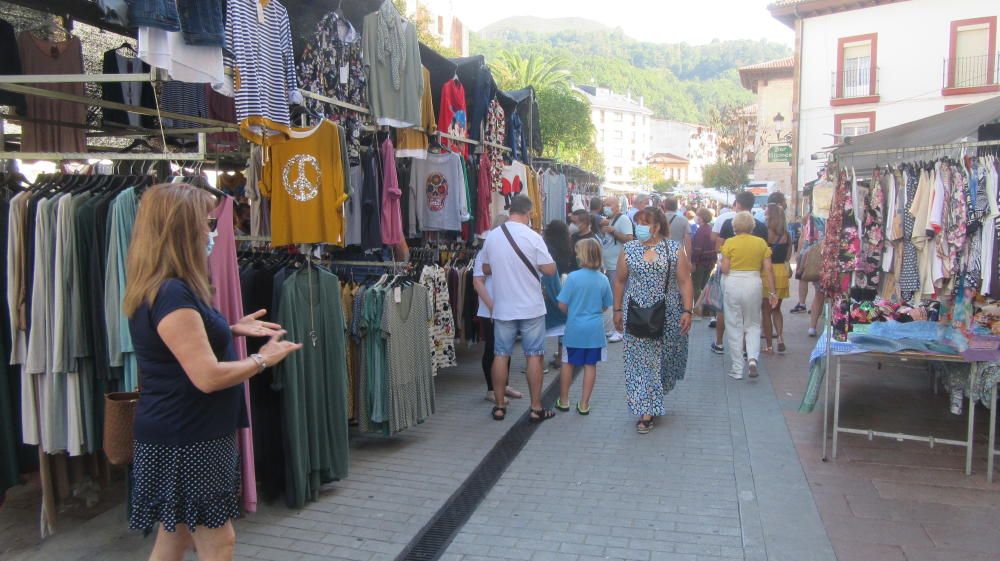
x=736 y=375
x=812 y=331
x=615 y=337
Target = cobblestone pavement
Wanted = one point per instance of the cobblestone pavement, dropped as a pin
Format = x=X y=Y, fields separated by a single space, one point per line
x=717 y=479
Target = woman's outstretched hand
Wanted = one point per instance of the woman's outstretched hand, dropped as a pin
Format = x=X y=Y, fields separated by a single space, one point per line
x=252 y=326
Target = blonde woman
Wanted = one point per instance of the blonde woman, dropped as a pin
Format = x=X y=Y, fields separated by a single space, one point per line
x=584 y=298
x=186 y=468
x=744 y=258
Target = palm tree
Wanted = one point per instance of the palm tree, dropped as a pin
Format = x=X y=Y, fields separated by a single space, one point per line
x=514 y=71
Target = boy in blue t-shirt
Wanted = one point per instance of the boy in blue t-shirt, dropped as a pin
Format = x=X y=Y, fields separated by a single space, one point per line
x=585 y=296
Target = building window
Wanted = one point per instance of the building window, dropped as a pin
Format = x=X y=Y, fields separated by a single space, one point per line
x=617 y=170
x=618 y=116
x=619 y=152
x=853 y=124
x=602 y=115
x=972 y=54
x=618 y=135
x=440 y=25
x=857 y=72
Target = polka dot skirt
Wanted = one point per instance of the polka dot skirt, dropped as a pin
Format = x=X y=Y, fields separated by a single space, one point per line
x=196 y=484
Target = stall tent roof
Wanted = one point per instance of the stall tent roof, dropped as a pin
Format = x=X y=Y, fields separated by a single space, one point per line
x=943 y=128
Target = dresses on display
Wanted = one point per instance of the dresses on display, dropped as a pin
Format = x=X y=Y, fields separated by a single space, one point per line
x=40 y=56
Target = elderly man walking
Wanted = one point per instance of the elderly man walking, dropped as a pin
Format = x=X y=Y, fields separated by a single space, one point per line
x=615 y=234
x=514 y=255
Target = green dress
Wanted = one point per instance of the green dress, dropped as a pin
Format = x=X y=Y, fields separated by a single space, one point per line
x=313 y=384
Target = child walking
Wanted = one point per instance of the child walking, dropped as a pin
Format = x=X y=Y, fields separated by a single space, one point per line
x=585 y=296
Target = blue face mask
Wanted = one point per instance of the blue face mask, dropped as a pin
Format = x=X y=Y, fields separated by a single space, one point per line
x=211 y=244
x=642 y=232
x=607 y=211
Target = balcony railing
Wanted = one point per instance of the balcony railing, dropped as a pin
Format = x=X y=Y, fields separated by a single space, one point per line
x=856 y=82
x=971 y=72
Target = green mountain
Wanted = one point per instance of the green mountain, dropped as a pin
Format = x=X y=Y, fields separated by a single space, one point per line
x=679 y=81
x=531 y=24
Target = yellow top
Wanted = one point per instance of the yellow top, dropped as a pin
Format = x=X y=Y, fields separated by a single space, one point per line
x=304 y=177
x=535 y=194
x=746 y=252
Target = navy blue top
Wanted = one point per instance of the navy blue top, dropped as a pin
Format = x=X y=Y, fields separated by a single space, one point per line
x=172 y=411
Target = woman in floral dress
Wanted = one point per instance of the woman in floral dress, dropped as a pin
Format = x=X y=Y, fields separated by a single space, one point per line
x=650 y=268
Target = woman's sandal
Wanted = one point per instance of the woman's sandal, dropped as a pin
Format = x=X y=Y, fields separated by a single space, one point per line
x=559 y=405
x=540 y=415
x=781 y=347
x=644 y=426
x=581 y=410
x=502 y=411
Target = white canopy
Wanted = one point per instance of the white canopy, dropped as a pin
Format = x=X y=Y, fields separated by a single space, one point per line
x=945 y=128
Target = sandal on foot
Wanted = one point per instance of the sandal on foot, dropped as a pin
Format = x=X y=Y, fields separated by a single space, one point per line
x=781 y=348
x=582 y=411
x=512 y=393
x=559 y=405
x=768 y=350
x=502 y=411
x=643 y=426
x=540 y=415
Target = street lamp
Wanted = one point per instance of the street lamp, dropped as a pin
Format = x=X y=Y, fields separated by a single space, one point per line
x=779 y=124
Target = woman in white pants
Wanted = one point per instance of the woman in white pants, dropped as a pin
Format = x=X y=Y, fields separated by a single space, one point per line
x=744 y=257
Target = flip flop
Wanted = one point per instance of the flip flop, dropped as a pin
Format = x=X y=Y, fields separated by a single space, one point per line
x=560 y=406
x=582 y=411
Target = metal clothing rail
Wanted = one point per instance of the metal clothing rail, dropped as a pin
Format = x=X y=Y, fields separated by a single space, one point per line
x=151 y=76
x=199 y=156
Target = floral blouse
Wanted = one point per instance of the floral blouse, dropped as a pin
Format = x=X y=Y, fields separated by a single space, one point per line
x=331 y=65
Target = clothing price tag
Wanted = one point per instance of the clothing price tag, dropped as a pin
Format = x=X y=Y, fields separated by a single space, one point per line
x=344 y=73
x=260 y=11
x=397 y=295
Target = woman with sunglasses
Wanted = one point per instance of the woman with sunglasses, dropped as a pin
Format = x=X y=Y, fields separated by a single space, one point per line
x=186 y=467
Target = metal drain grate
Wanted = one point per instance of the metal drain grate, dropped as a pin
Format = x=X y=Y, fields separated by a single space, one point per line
x=434 y=538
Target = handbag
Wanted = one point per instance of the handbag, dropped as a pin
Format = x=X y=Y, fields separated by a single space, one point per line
x=648 y=322
x=119 y=416
x=812 y=263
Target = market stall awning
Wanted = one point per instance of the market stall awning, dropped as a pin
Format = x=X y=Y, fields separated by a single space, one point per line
x=941 y=129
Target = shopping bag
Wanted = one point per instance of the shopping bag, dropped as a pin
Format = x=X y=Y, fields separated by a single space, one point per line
x=710 y=301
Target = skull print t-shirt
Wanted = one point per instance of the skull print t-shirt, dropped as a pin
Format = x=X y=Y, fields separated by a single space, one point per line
x=438 y=185
x=304 y=178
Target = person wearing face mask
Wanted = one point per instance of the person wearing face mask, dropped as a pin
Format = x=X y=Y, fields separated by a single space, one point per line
x=586 y=228
x=616 y=233
x=652 y=268
x=185 y=449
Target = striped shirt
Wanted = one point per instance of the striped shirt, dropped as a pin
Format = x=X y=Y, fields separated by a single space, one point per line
x=262 y=63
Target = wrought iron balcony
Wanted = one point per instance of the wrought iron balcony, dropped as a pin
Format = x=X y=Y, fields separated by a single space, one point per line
x=854 y=83
x=971 y=72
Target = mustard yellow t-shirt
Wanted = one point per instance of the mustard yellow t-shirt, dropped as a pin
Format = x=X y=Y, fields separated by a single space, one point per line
x=304 y=178
x=746 y=252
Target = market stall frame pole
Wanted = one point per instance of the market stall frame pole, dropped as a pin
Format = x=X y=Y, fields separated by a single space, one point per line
x=992 y=452
x=898 y=436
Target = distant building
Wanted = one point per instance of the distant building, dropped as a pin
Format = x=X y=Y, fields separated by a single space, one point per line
x=772 y=82
x=623 y=132
x=671 y=165
x=442 y=23
x=697 y=144
x=866 y=66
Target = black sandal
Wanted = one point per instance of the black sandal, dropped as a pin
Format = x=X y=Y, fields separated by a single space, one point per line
x=540 y=415
x=644 y=426
x=502 y=410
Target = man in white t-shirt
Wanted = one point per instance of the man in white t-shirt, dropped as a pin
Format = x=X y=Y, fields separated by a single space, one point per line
x=614 y=235
x=514 y=255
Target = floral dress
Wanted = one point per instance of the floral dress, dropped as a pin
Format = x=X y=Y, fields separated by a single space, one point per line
x=653 y=366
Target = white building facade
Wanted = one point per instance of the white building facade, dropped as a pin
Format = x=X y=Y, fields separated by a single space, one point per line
x=861 y=67
x=623 y=132
x=442 y=23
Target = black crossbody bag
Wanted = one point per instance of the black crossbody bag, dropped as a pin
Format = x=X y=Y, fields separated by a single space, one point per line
x=648 y=323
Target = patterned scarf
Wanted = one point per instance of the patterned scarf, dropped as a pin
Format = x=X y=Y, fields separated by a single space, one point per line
x=391 y=28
